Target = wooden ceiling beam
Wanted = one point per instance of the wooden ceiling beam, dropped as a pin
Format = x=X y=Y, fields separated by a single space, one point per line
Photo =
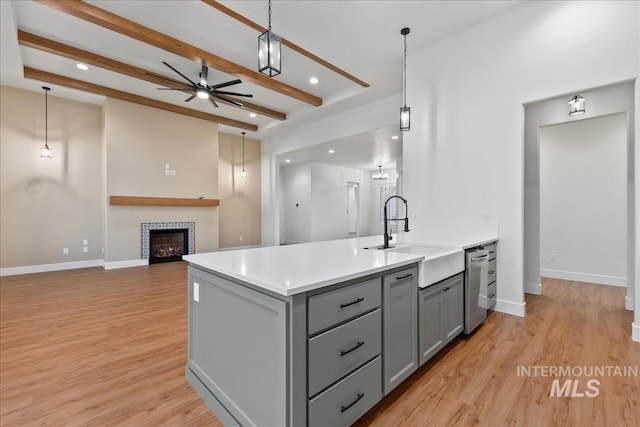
x=89 y=58
x=126 y=27
x=289 y=44
x=57 y=79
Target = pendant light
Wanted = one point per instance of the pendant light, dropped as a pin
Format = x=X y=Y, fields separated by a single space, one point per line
x=243 y=174
x=380 y=176
x=269 y=47
x=46 y=151
x=405 y=112
x=576 y=105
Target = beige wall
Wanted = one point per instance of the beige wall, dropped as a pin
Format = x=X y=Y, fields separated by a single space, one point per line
x=240 y=218
x=139 y=142
x=48 y=204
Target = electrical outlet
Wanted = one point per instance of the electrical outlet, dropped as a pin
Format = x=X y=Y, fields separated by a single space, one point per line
x=65 y=251
x=173 y=172
x=552 y=257
x=167 y=172
x=196 y=292
x=85 y=249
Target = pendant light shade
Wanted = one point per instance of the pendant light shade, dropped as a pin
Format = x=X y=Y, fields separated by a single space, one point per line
x=243 y=174
x=46 y=151
x=405 y=112
x=576 y=105
x=269 y=48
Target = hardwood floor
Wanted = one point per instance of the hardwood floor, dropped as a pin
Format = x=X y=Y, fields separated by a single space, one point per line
x=103 y=348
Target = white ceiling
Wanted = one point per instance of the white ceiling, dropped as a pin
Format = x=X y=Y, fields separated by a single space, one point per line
x=361 y=37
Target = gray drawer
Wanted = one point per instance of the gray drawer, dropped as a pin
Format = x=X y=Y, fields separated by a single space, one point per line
x=491 y=250
x=335 y=353
x=492 y=292
x=348 y=400
x=491 y=271
x=329 y=308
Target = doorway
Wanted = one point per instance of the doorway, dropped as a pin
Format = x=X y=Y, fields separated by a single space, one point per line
x=353 y=208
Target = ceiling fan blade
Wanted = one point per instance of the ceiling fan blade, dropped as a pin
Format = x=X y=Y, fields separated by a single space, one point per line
x=229 y=83
x=232 y=93
x=212 y=101
x=228 y=101
x=204 y=75
x=186 y=89
x=190 y=98
x=182 y=75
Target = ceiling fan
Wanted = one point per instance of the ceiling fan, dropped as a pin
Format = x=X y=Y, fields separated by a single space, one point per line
x=204 y=90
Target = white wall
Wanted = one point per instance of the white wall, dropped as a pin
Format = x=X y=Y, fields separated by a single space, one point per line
x=583 y=200
x=464 y=154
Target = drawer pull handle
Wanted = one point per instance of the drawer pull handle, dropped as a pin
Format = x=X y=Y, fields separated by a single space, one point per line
x=406 y=276
x=446 y=289
x=357 y=346
x=492 y=295
x=344 y=408
x=492 y=271
x=478 y=258
x=351 y=303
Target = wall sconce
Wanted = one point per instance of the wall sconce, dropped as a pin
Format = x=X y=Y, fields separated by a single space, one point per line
x=46 y=151
x=405 y=112
x=576 y=105
x=269 y=47
x=243 y=174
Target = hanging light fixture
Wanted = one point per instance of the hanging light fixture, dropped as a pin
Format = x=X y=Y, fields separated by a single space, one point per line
x=243 y=174
x=380 y=176
x=576 y=105
x=269 y=47
x=46 y=150
x=405 y=112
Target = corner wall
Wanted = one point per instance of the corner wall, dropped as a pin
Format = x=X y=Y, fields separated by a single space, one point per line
x=49 y=204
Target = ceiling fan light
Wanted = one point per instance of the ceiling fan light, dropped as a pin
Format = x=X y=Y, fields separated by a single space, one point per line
x=269 y=48
x=202 y=93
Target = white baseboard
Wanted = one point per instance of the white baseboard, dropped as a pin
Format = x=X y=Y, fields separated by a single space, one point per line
x=533 y=288
x=126 y=264
x=584 y=277
x=629 y=303
x=635 y=331
x=510 y=307
x=43 y=268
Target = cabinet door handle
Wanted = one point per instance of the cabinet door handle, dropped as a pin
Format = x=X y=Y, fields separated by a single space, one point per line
x=446 y=289
x=406 y=276
x=351 y=303
x=344 y=408
x=357 y=346
x=491 y=271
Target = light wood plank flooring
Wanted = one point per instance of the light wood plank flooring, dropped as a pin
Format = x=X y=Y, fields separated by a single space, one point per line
x=103 y=348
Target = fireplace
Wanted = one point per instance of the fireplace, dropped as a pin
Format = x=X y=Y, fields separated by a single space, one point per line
x=168 y=245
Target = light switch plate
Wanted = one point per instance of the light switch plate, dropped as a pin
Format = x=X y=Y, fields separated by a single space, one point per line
x=196 y=292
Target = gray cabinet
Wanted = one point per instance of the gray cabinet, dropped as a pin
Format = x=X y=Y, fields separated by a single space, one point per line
x=400 y=313
x=441 y=315
x=492 y=273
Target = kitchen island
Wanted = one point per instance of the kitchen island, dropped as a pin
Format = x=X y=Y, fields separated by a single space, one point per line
x=306 y=334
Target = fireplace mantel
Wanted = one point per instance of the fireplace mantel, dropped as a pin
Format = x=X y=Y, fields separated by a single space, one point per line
x=162 y=201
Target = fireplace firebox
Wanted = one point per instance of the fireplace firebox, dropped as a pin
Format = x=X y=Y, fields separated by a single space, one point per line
x=168 y=245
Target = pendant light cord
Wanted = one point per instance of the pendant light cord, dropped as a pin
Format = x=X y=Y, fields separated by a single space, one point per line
x=269 y=15
x=243 y=133
x=404 y=73
x=46 y=118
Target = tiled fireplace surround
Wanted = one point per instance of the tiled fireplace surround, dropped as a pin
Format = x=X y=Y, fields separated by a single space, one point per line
x=147 y=226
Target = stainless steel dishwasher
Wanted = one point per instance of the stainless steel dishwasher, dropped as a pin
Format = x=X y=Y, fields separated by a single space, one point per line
x=475 y=288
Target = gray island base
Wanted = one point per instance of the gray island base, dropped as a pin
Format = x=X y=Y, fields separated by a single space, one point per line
x=321 y=357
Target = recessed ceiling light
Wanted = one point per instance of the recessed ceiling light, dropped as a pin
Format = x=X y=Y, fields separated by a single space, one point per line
x=332 y=151
x=252 y=115
x=287 y=160
x=313 y=80
x=83 y=67
x=394 y=137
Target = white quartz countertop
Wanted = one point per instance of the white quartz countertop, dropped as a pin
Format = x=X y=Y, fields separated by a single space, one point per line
x=292 y=269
